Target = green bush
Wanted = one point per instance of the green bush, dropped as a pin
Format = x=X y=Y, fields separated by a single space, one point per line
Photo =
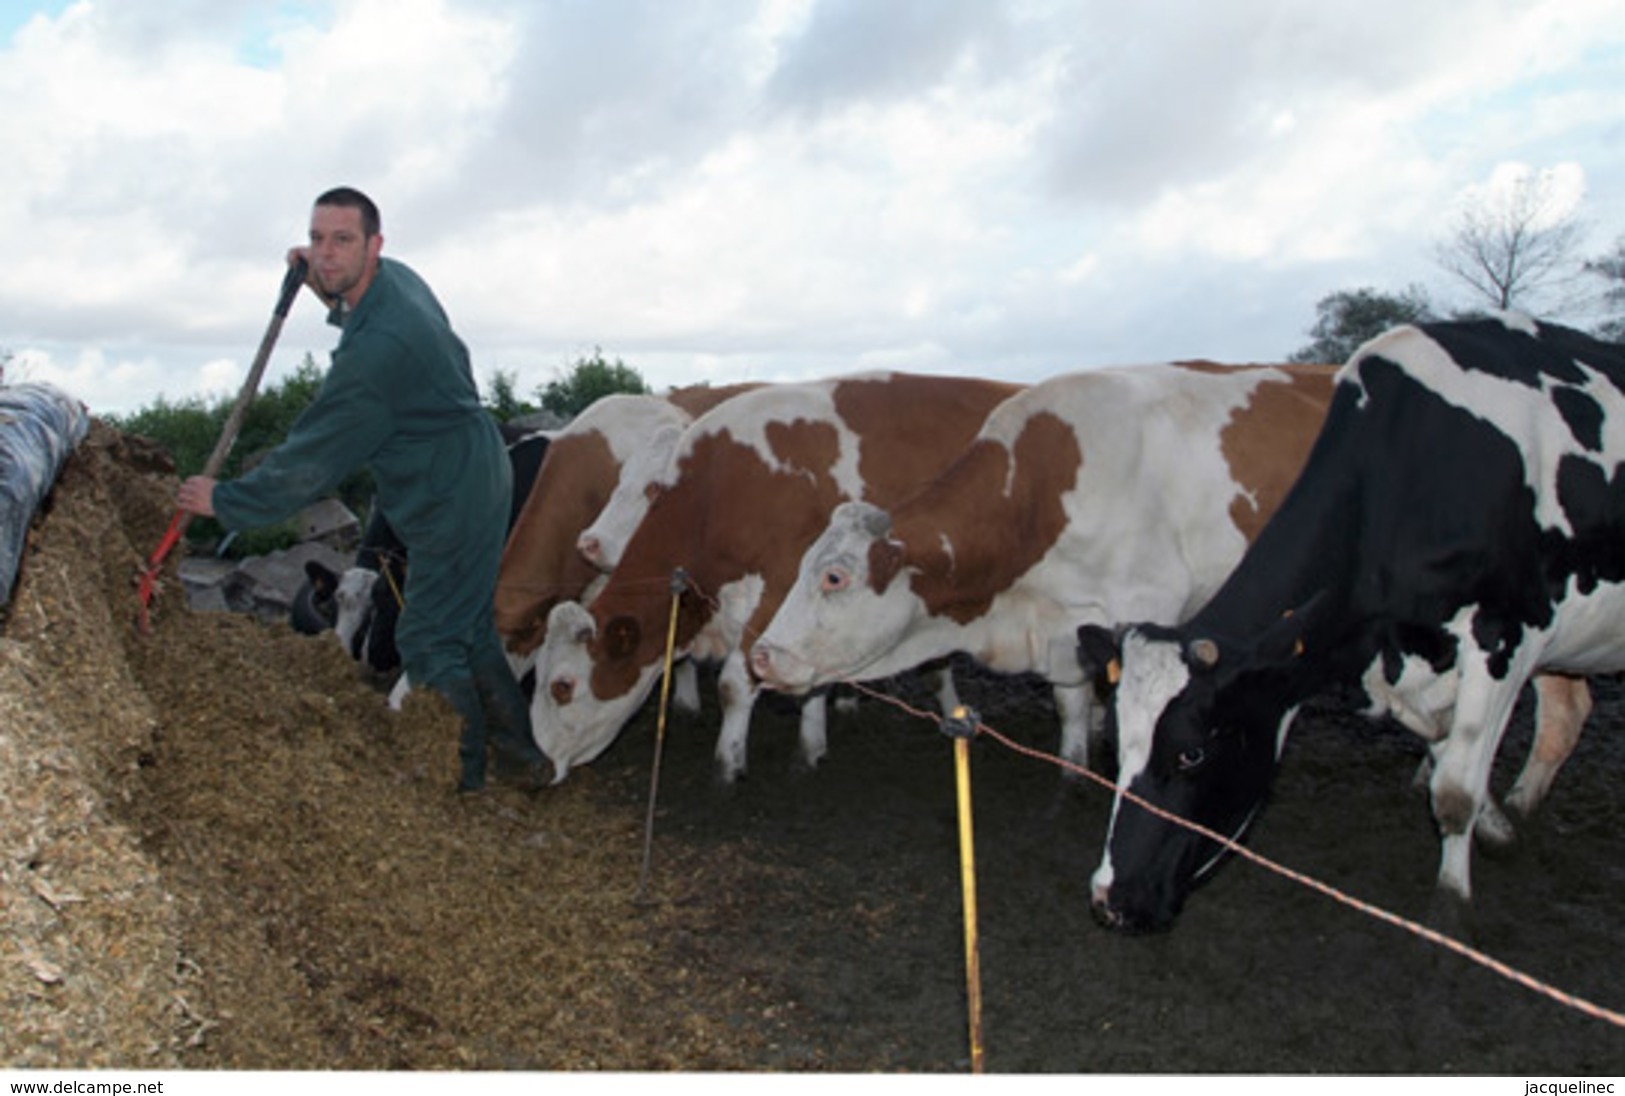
x=189 y=429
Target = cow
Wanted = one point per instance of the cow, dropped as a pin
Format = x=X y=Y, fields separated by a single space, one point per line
x=1459 y=526
x=644 y=475
x=1103 y=495
x=360 y=604
x=751 y=484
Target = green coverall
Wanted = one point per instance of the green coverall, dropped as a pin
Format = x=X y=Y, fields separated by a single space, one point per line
x=401 y=399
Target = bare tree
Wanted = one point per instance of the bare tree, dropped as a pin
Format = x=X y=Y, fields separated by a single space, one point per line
x=1612 y=268
x=1513 y=245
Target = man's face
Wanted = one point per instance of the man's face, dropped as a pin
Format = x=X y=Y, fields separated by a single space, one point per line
x=341 y=254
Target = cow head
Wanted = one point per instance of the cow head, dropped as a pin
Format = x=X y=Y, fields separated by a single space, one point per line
x=353 y=608
x=361 y=606
x=572 y=723
x=1200 y=726
x=645 y=473
x=845 y=609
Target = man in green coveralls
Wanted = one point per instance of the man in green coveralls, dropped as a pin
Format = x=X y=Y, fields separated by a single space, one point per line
x=401 y=399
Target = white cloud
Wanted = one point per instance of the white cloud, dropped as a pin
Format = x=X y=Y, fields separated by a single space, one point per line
x=770 y=189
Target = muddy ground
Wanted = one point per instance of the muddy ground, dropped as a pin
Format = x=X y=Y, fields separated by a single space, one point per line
x=219 y=850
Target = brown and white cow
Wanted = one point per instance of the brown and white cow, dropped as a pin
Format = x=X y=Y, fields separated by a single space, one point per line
x=1103 y=496
x=752 y=483
x=541 y=565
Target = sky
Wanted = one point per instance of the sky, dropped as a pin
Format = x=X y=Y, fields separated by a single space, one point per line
x=724 y=190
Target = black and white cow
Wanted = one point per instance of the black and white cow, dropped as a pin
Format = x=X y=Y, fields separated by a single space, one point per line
x=363 y=604
x=1459 y=527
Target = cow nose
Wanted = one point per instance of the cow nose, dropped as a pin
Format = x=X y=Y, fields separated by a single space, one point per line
x=1100 y=894
x=761 y=663
x=1100 y=906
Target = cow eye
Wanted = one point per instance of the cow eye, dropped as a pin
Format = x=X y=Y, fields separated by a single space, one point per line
x=1191 y=758
x=834 y=580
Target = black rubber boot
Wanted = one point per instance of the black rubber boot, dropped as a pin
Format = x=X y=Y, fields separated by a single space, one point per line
x=465 y=698
x=507 y=720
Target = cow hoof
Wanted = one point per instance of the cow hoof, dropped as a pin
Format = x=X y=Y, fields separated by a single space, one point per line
x=804 y=765
x=728 y=782
x=1522 y=801
x=1494 y=831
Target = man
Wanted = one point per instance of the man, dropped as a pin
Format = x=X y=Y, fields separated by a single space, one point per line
x=401 y=399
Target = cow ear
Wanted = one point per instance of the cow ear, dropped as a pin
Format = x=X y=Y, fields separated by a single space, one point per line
x=621 y=637
x=1098 y=652
x=570 y=622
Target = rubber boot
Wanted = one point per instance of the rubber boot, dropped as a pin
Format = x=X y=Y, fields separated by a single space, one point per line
x=464 y=696
x=507 y=720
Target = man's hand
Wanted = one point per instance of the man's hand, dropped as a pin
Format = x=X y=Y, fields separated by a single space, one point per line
x=196 y=496
x=301 y=252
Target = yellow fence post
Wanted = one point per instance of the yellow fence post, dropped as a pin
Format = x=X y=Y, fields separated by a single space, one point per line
x=962 y=728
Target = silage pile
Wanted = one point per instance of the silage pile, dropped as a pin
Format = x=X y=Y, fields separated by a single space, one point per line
x=218 y=849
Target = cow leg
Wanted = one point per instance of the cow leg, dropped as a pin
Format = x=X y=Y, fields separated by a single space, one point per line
x=685 y=686
x=736 y=692
x=1076 y=707
x=1462 y=760
x=1562 y=705
x=947 y=694
x=1494 y=830
x=397 y=692
x=814 y=730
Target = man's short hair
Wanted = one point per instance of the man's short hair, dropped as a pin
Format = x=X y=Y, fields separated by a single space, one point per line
x=347 y=197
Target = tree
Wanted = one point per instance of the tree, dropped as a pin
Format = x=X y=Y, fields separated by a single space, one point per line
x=588 y=381
x=1612 y=268
x=188 y=430
x=1514 y=244
x=1348 y=318
x=501 y=399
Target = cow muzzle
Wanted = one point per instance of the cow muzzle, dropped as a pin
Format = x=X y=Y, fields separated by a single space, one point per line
x=592 y=550
x=770 y=666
